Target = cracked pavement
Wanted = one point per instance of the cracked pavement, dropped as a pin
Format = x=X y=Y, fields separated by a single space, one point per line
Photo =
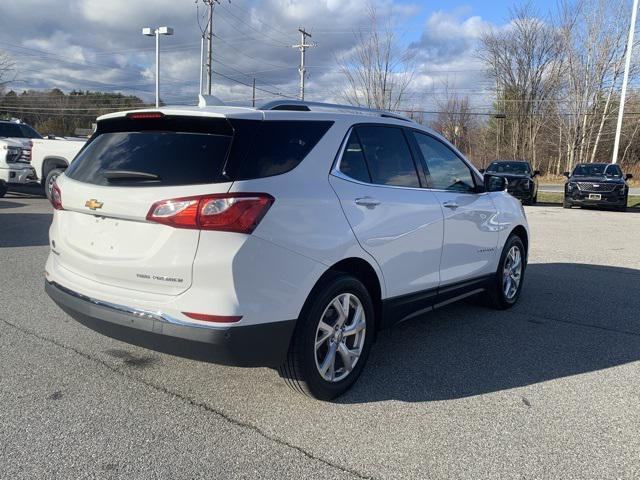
x=548 y=389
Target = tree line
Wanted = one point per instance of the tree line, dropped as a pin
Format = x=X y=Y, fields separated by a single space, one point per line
x=555 y=78
x=58 y=113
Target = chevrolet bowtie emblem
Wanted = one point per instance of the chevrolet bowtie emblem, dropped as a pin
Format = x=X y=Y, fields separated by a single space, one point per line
x=93 y=204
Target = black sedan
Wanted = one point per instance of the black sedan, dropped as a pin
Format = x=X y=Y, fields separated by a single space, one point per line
x=597 y=185
x=522 y=179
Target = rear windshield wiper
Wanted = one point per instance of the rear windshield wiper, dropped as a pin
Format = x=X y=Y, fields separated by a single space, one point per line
x=130 y=175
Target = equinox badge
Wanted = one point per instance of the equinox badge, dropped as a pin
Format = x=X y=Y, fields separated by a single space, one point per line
x=93 y=204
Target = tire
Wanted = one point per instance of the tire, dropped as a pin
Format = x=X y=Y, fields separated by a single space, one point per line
x=302 y=368
x=623 y=208
x=3 y=188
x=566 y=204
x=50 y=180
x=498 y=296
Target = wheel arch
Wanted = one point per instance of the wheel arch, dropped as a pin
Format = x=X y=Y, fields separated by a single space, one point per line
x=521 y=232
x=51 y=162
x=367 y=274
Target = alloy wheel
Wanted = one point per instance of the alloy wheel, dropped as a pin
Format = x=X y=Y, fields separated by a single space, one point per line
x=340 y=337
x=512 y=272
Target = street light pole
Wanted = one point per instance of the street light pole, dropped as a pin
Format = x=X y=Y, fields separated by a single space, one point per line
x=625 y=80
x=150 y=32
x=157 y=69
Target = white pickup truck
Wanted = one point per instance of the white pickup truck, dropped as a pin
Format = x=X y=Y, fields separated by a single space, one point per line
x=49 y=156
x=15 y=157
x=14 y=165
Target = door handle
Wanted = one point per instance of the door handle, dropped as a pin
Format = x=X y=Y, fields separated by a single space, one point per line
x=451 y=205
x=367 y=202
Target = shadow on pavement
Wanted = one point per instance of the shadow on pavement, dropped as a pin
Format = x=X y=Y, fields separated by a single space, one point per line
x=9 y=204
x=572 y=319
x=26 y=191
x=24 y=229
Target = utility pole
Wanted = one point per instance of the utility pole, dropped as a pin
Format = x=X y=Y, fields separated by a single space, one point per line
x=625 y=79
x=209 y=37
x=253 y=101
x=303 y=47
x=201 y=62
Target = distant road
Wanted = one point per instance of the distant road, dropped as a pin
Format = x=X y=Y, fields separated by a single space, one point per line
x=559 y=188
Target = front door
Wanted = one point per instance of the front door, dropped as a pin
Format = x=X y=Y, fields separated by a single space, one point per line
x=471 y=232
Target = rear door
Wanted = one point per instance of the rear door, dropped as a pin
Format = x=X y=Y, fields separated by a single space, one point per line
x=393 y=218
x=471 y=231
x=107 y=192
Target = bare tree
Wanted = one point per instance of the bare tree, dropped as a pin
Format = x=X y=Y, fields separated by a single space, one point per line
x=525 y=62
x=377 y=69
x=6 y=68
x=454 y=119
x=594 y=33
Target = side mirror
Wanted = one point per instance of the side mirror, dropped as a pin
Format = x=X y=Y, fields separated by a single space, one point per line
x=536 y=173
x=628 y=176
x=482 y=170
x=51 y=136
x=493 y=183
x=566 y=174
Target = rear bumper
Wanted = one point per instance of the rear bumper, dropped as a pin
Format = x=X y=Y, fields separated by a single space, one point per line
x=259 y=345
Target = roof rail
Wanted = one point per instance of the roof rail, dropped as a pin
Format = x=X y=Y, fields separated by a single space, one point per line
x=304 y=106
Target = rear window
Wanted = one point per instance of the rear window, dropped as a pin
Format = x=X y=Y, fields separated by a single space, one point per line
x=186 y=151
x=17 y=130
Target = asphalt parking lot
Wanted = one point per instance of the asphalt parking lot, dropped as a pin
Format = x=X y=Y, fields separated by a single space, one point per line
x=549 y=389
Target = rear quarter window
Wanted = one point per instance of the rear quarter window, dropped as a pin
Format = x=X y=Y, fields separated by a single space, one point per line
x=273 y=147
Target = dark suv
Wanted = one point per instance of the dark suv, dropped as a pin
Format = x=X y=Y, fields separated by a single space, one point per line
x=522 y=179
x=597 y=185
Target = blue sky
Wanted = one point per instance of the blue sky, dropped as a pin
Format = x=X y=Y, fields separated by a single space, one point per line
x=97 y=45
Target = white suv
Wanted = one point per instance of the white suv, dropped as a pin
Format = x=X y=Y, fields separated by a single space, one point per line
x=284 y=236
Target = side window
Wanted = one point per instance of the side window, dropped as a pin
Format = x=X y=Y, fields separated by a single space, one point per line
x=278 y=147
x=445 y=170
x=352 y=163
x=388 y=156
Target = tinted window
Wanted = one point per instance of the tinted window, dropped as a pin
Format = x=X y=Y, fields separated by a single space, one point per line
x=596 y=169
x=388 y=156
x=193 y=150
x=175 y=158
x=28 y=132
x=519 y=168
x=446 y=171
x=352 y=163
x=613 y=171
x=17 y=130
x=276 y=147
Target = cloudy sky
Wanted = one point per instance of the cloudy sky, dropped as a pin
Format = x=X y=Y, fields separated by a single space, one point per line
x=97 y=45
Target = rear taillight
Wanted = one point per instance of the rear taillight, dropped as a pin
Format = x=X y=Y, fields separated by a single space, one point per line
x=56 y=197
x=229 y=212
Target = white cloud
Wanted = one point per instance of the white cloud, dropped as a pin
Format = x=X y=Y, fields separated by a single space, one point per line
x=97 y=44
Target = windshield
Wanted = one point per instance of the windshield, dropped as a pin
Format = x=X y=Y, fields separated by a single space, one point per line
x=520 y=168
x=17 y=130
x=597 y=170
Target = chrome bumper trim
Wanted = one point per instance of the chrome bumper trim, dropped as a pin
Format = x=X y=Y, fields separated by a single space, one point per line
x=159 y=316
